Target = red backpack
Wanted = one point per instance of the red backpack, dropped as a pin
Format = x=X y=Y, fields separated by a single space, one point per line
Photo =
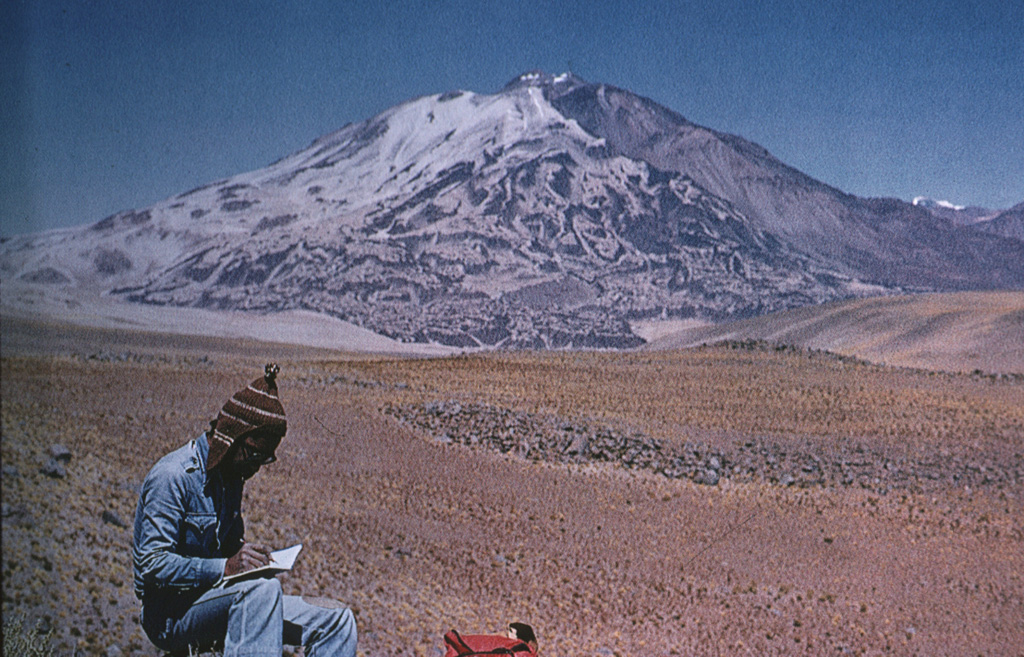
x=485 y=644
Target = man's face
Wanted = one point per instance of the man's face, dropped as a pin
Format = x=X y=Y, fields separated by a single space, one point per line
x=246 y=462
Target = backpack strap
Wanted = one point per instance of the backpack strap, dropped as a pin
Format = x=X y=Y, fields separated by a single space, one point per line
x=455 y=640
x=463 y=649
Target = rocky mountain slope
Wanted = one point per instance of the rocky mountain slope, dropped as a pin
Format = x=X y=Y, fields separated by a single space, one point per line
x=548 y=215
x=1009 y=223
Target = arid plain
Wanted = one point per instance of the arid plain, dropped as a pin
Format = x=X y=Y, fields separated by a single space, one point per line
x=729 y=500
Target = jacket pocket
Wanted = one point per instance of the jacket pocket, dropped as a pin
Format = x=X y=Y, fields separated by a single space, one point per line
x=199 y=535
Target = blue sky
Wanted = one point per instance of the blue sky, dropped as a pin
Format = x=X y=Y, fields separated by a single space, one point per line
x=108 y=105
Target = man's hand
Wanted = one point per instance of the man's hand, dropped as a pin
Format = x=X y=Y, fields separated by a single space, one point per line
x=252 y=555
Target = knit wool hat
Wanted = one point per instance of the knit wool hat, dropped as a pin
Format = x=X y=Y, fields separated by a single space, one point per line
x=253 y=414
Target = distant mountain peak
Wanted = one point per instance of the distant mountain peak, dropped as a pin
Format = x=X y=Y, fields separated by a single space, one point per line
x=959 y=215
x=926 y=202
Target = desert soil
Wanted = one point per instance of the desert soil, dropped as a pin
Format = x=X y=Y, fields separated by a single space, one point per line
x=715 y=501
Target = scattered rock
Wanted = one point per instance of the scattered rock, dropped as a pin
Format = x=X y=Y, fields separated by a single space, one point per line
x=707 y=477
x=763 y=459
x=60 y=453
x=44 y=626
x=577 y=445
x=54 y=469
x=112 y=518
x=17 y=514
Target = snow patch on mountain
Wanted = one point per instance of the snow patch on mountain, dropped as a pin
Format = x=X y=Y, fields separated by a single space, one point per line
x=926 y=202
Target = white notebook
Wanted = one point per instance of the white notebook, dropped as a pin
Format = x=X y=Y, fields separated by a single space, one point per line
x=280 y=561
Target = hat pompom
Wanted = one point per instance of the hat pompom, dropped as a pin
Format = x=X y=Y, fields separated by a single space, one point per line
x=270 y=372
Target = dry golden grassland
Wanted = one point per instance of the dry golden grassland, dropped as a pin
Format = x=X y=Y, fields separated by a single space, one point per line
x=955 y=331
x=420 y=535
x=754 y=390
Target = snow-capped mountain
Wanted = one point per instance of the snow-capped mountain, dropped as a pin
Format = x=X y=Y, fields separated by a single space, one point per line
x=933 y=204
x=960 y=215
x=550 y=214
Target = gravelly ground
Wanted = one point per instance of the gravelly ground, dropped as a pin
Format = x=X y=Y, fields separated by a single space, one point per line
x=420 y=534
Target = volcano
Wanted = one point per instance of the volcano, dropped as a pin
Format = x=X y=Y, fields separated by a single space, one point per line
x=555 y=213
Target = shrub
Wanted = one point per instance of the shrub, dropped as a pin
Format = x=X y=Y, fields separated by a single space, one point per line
x=19 y=641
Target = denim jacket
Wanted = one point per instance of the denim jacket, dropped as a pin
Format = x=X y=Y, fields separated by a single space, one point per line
x=187 y=523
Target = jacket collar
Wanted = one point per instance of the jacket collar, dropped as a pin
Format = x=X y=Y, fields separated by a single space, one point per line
x=202 y=449
x=200 y=453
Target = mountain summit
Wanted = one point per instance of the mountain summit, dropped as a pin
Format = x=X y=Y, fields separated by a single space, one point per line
x=552 y=85
x=554 y=213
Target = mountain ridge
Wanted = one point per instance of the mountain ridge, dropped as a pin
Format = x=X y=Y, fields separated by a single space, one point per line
x=954 y=332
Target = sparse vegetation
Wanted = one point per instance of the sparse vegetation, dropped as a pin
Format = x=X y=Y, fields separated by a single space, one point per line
x=419 y=535
x=721 y=390
x=20 y=640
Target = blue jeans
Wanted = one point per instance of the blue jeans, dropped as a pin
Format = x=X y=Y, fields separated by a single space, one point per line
x=253 y=618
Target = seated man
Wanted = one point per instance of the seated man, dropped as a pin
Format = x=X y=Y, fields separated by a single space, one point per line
x=188 y=536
